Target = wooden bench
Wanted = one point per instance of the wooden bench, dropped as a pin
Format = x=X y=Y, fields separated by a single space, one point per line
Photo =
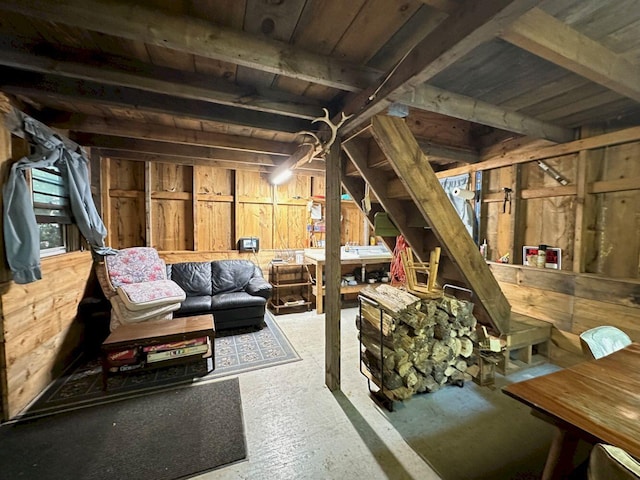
x=145 y=334
x=527 y=337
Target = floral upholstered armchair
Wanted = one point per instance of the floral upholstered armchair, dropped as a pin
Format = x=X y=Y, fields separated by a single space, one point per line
x=135 y=282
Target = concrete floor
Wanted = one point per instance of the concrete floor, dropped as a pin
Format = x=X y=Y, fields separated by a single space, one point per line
x=297 y=429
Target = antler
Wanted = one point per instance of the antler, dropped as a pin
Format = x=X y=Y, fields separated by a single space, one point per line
x=333 y=127
x=315 y=137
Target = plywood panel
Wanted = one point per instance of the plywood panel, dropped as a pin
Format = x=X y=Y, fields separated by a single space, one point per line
x=215 y=220
x=618 y=223
x=127 y=225
x=213 y=181
x=541 y=304
x=318 y=186
x=172 y=224
x=290 y=229
x=256 y=220
x=498 y=222
x=352 y=229
x=592 y=313
x=252 y=186
x=39 y=326
x=171 y=178
x=126 y=175
x=299 y=187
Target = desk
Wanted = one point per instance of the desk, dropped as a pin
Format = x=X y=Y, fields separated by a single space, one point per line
x=597 y=400
x=317 y=258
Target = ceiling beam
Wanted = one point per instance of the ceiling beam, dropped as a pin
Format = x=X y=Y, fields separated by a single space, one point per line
x=315 y=168
x=175 y=150
x=471 y=25
x=149 y=131
x=434 y=152
x=189 y=161
x=36 y=86
x=547 y=37
x=138 y=22
x=433 y=99
x=128 y=73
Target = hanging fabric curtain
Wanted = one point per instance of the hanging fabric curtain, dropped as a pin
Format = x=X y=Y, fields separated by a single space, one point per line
x=21 y=232
x=462 y=205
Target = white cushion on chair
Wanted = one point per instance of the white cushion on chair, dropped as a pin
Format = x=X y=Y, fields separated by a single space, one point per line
x=145 y=295
x=612 y=463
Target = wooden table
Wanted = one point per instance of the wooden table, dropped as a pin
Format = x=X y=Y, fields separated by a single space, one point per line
x=597 y=400
x=145 y=334
x=318 y=259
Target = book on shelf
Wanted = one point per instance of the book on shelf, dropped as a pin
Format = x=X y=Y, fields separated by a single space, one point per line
x=175 y=345
x=176 y=353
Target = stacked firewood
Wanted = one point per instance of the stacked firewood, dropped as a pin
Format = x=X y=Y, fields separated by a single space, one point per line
x=412 y=345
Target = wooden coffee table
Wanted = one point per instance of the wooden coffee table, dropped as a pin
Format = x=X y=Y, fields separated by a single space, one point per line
x=144 y=334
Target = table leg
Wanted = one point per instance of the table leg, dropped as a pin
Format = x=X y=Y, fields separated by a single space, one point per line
x=560 y=457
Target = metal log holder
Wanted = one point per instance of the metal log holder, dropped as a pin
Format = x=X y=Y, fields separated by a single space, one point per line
x=378 y=395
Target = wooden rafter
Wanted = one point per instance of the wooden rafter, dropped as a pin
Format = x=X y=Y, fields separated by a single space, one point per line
x=151 y=78
x=148 y=131
x=549 y=38
x=433 y=99
x=65 y=89
x=192 y=35
x=473 y=24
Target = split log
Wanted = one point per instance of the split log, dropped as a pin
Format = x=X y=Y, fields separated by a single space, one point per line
x=427 y=343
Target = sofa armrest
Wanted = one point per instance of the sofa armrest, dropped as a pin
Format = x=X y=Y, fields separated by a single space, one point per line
x=259 y=287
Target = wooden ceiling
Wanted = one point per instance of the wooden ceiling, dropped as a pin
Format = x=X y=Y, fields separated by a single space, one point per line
x=234 y=81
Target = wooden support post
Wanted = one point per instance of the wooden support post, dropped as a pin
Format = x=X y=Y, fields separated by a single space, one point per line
x=105 y=201
x=148 y=218
x=333 y=267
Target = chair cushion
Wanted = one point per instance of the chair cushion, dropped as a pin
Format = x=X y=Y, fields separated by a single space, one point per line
x=604 y=340
x=193 y=277
x=134 y=265
x=607 y=462
x=142 y=296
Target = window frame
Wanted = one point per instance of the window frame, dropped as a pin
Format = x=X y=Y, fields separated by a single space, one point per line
x=67 y=218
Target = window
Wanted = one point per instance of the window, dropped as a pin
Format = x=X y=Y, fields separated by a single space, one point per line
x=51 y=207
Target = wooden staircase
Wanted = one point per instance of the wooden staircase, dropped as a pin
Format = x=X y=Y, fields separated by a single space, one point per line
x=387 y=156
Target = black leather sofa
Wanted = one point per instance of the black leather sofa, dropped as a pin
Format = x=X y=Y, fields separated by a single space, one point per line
x=234 y=291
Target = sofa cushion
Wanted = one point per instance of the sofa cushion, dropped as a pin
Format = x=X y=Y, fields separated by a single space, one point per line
x=231 y=275
x=193 y=277
x=199 y=304
x=225 y=301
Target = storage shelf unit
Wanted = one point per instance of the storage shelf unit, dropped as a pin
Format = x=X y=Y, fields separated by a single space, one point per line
x=291 y=287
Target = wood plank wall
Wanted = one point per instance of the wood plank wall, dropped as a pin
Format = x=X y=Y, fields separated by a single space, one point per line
x=594 y=219
x=40 y=332
x=572 y=302
x=207 y=209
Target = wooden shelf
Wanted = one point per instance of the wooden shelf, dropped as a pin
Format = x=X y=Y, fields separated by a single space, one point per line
x=290 y=280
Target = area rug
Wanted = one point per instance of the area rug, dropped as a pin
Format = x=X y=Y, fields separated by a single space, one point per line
x=175 y=433
x=235 y=352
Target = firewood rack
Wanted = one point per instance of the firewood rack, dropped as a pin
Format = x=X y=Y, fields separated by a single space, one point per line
x=378 y=395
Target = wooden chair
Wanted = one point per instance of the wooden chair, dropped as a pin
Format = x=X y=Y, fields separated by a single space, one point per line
x=412 y=268
x=601 y=341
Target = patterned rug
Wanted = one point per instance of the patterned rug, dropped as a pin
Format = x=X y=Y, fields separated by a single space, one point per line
x=235 y=352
